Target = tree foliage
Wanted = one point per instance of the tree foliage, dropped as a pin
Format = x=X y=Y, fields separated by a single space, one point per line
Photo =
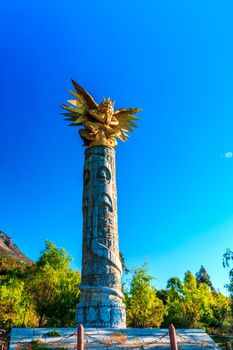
x=227 y=261
x=44 y=294
x=16 y=308
x=144 y=308
x=192 y=304
x=203 y=277
x=9 y=264
x=56 y=258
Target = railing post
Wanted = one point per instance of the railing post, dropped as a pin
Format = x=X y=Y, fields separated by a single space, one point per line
x=172 y=335
x=80 y=338
x=228 y=346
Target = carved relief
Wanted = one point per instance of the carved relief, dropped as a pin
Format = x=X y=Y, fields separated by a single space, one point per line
x=103 y=174
x=86 y=176
x=101 y=267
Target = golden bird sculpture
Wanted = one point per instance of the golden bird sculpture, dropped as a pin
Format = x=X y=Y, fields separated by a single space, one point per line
x=102 y=124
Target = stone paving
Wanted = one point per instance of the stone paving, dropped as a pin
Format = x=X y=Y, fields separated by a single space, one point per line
x=108 y=338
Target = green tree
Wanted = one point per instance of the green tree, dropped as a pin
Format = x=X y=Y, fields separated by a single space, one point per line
x=192 y=300
x=227 y=263
x=45 y=293
x=43 y=290
x=188 y=304
x=53 y=287
x=9 y=265
x=124 y=267
x=57 y=258
x=227 y=260
x=191 y=304
x=175 y=286
x=144 y=308
x=174 y=303
x=203 y=277
x=67 y=297
x=221 y=311
x=16 y=308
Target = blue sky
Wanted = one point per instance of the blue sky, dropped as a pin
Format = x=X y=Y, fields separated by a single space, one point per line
x=175 y=190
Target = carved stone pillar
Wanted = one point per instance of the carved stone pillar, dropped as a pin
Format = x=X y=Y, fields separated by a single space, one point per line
x=101 y=296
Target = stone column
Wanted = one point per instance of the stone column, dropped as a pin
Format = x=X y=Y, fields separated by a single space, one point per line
x=101 y=296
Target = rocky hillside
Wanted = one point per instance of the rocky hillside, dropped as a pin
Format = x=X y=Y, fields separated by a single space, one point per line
x=9 y=249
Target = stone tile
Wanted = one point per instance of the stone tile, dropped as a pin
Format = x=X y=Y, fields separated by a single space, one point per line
x=155 y=339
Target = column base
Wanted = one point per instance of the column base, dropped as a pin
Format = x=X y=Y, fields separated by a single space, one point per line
x=104 y=315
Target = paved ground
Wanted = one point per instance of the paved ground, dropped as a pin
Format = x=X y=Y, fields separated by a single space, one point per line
x=105 y=338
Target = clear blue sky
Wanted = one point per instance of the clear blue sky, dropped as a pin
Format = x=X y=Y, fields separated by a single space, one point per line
x=175 y=183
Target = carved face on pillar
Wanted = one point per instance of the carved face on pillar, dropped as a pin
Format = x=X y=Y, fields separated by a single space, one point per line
x=103 y=174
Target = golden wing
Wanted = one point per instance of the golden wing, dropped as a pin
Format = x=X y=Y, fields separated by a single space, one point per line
x=78 y=111
x=125 y=117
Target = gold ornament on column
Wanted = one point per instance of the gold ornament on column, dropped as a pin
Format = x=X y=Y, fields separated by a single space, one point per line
x=102 y=124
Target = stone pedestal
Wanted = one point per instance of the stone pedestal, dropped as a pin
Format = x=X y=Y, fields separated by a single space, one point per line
x=101 y=297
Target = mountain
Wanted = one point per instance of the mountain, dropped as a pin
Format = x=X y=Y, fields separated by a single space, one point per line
x=9 y=250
